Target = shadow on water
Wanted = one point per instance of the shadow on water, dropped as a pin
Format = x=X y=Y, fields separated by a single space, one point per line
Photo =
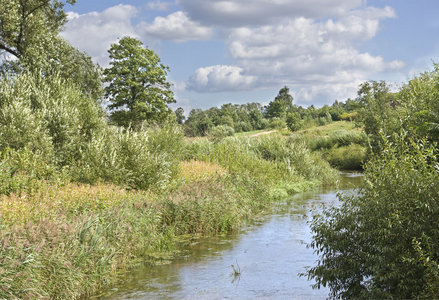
x=262 y=260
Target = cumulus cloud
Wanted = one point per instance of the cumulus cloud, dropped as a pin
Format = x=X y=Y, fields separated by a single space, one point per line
x=220 y=78
x=358 y=24
x=316 y=57
x=233 y=13
x=326 y=93
x=94 y=32
x=175 y=27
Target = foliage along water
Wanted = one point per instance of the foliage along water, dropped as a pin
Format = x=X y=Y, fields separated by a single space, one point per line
x=267 y=255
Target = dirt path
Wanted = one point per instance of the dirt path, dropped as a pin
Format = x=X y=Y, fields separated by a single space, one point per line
x=262 y=133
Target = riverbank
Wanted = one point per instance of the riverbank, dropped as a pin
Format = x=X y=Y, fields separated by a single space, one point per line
x=71 y=240
x=64 y=240
x=268 y=253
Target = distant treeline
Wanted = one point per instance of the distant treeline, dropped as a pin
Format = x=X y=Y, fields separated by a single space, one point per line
x=279 y=113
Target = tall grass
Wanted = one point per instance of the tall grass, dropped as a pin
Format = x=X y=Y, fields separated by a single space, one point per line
x=350 y=157
x=69 y=241
x=273 y=160
x=296 y=157
x=338 y=138
x=343 y=149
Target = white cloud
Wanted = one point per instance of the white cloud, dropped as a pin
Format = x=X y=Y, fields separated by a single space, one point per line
x=220 y=78
x=94 y=32
x=308 y=54
x=358 y=24
x=325 y=93
x=175 y=27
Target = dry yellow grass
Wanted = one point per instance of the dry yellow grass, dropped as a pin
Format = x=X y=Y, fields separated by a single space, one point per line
x=71 y=199
x=51 y=200
x=194 y=170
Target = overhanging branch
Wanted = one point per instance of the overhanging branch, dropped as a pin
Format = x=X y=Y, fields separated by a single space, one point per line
x=7 y=49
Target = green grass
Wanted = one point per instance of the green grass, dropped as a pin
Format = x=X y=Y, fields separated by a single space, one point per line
x=341 y=143
x=329 y=128
x=350 y=157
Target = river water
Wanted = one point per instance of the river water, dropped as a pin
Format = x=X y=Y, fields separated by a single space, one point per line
x=268 y=254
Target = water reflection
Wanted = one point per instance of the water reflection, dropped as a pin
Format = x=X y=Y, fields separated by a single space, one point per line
x=270 y=252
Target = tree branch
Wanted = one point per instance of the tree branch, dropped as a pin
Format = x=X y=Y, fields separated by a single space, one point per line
x=34 y=9
x=23 y=20
x=7 y=49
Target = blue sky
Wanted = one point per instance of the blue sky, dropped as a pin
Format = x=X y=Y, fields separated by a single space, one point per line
x=222 y=51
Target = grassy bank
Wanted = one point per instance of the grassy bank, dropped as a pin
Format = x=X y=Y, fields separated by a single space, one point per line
x=341 y=143
x=71 y=240
x=62 y=240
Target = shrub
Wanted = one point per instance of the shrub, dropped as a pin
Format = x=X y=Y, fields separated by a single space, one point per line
x=294 y=122
x=277 y=123
x=351 y=116
x=48 y=115
x=141 y=160
x=383 y=242
x=45 y=118
x=349 y=157
x=218 y=133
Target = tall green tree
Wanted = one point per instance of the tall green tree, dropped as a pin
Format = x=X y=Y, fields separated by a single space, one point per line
x=29 y=34
x=27 y=25
x=419 y=99
x=137 y=86
x=279 y=107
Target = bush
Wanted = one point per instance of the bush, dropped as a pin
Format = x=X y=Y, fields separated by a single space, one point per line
x=47 y=115
x=277 y=123
x=139 y=160
x=47 y=119
x=383 y=242
x=352 y=116
x=349 y=157
x=243 y=126
x=294 y=122
x=217 y=133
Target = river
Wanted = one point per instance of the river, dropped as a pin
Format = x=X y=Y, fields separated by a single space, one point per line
x=267 y=255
